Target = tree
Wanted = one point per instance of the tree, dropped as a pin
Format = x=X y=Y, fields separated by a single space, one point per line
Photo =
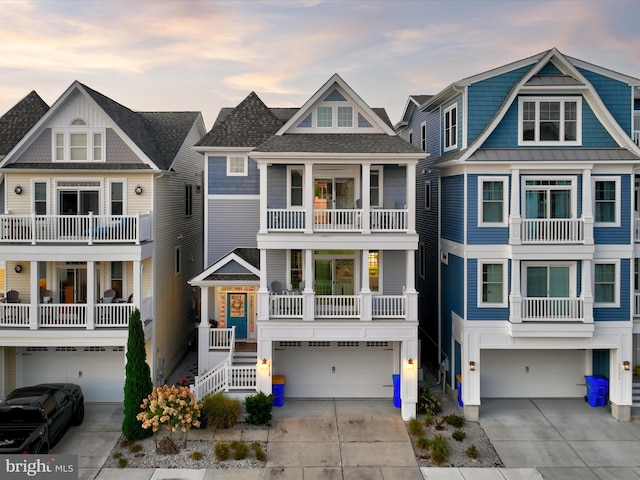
x=137 y=384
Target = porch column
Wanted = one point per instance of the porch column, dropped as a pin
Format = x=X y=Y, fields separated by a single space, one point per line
x=621 y=380
x=366 y=307
x=308 y=294
x=587 y=292
x=471 y=379
x=515 y=298
x=91 y=295
x=409 y=377
x=410 y=293
x=203 y=331
x=366 y=198
x=308 y=198
x=263 y=372
x=411 y=198
x=514 y=209
x=263 y=291
x=587 y=206
x=262 y=169
x=34 y=306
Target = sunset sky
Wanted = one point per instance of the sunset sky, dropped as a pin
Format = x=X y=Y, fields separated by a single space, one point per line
x=204 y=55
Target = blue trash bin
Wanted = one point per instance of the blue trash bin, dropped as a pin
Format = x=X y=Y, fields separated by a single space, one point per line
x=459 y=387
x=597 y=390
x=397 y=402
x=277 y=388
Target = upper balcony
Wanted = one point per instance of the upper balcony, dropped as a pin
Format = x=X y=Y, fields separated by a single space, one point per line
x=338 y=220
x=76 y=229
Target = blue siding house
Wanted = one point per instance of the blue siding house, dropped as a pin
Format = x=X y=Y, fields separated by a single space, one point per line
x=538 y=230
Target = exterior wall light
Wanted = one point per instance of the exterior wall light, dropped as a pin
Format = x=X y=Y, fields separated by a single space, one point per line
x=472 y=366
x=17 y=268
x=410 y=364
x=138 y=190
x=18 y=190
x=265 y=364
x=626 y=365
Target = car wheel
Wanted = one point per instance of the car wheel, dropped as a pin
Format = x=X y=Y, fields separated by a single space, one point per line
x=79 y=414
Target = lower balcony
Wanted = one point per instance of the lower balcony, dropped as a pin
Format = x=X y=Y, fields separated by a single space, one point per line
x=553 y=309
x=549 y=317
x=63 y=315
x=338 y=306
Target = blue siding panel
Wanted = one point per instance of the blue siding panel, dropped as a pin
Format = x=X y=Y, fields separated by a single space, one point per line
x=549 y=69
x=482 y=235
x=452 y=204
x=624 y=312
x=486 y=97
x=452 y=295
x=473 y=312
x=593 y=132
x=458 y=102
x=618 y=235
x=616 y=96
x=221 y=184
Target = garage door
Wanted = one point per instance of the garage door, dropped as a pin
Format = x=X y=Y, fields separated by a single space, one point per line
x=335 y=369
x=532 y=373
x=98 y=370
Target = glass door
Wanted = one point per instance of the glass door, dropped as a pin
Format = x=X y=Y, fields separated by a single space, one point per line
x=334 y=277
x=72 y=284
x=79 y=202
x=548 y=281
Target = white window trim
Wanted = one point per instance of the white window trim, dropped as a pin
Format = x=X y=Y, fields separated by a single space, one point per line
x=537 y=100
x=380 y=171
x=422 y=257
x=82 y=129
x=124 y=196
x=573 y=187
x=505 y=277
x=423 y=136
x=616 y=222
x=289 y=170
x=427 y=195
x=572 y=275
x=238 y=174
x=410 y=137
x=380 y=274
x=288 y=267
x=48 y=193
x=177 y=260
x=337 y=117
x=505 y=202
x=454 y=141
x=99 y=188
x=616 y=290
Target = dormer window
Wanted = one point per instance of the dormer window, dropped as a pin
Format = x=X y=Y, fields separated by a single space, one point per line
x=549 y=121
x=78 y=143
x=340 y=116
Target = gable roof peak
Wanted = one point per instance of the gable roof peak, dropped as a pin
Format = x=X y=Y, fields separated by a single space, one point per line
x=19 y=119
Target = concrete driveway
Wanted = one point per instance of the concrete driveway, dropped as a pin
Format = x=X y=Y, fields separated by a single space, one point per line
x=562 y=438
x=94 y=439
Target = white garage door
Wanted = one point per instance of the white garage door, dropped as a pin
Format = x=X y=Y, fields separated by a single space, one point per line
x=335 y=369
x=98 y=370
x=532 y=373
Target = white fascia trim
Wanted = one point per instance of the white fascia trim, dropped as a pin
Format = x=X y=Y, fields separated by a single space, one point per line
x=350 y=92
x=233 y=197
x=199 y=279
x=222 y=150
x=286 y=158
x=632 y=81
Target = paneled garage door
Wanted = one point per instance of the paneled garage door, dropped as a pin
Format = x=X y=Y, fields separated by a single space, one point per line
x=532 y=373
x=335 y=369
x=98 y=370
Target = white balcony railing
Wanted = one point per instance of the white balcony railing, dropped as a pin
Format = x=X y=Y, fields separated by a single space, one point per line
x=75 y=228
x=65 y=315
x=555 y=230
x=338 y=220
x=337 y=306
x=636 y=229
x=221 y=338
x=636 y=137
x=286 y=306
x=388 y=306
x=552 y=309
x=636 y=304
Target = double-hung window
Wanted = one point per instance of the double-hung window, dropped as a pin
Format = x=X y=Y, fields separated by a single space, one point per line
x=550 y=121
x=345 y=117
x=40 y=198
x=295 y=268
x=492 y=284
x=374 y=270
x=606 y=287
x=375 y=187
x=117 y=198
x=325 y=117
x=606 y=192
x=492 y=201
x=237 y=166
x=188 y=199
x=423 y=136
x=78 y=143
x=295 y=186
x=451 y=128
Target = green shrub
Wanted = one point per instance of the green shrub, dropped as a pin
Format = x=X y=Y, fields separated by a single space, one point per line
x=117 y=455
x=135 y=448
x=455 y=420
x=259 y=452
x=240 y=450
x=472 y=452
x=423 y=443
x=458 y=435
x=220 y=411
x=439 y=449
x=196 y=455
x=222 y=451
x=415 y=427
x=428 y=402
x=428 y=419
x=259 y=408
x=122 y=462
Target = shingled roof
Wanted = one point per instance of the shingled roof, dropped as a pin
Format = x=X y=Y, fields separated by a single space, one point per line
x=247 y=125
x=19 y=120
x=158 y=134
x=338 y=143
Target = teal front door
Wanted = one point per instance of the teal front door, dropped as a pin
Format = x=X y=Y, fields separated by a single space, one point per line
x=237 y=313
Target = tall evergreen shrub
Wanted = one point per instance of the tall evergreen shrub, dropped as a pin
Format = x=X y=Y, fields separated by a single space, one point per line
x=137 y=384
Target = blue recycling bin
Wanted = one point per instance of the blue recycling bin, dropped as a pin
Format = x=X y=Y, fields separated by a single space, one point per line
x=597 y=390
x=277 y=388
x=459 y=387
x=397 y=402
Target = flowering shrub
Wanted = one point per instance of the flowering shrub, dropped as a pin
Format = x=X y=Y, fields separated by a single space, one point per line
x=174 y=407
